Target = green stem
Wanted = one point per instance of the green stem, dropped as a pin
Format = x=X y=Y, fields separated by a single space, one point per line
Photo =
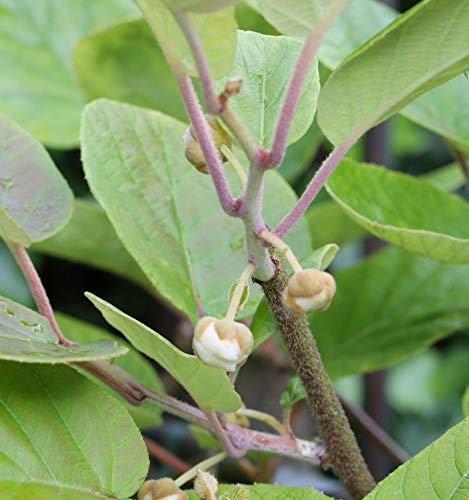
x=343 y=452
x=204 y=465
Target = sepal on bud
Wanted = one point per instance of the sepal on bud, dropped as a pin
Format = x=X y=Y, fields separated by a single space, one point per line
x=193 y=151
x=161 y=489
x=205 y=485
x=309 y=290
x=222 y=342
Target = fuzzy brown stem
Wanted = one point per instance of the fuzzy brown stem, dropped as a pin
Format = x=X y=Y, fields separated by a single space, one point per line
x=343 y=453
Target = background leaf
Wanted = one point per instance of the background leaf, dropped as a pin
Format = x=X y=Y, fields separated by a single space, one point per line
x=426 y=220
x=133 y=362
x=439 y=471
x=393 y=77
x=28 y=337
x=265 y=62
x=171 y=222
x=59 y=428
x=201 y=5
x=404 y=303
x=209 y=386
x=38 y=88
x=35 y=200
x=299 y=17
x=124 y=62
x=465 y=403
x=217 y=32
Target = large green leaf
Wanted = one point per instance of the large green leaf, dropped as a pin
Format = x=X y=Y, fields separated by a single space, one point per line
x=263 y=492
x=299 y=17
x=426 y=220
x=89 y=238
x=386 y=307
x=217 y=32
x=133 y=362
x=393 y=77
x=124 y=62
x=209 y=386
x=265 y=62
x=171 y=222
x=28 y=337
x=61 y=429
x=439 y=471
x=200 y=5
x=35 y=200
x=19 y=490
x=38 y=87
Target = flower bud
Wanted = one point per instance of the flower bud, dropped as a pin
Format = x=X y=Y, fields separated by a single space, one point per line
x=161 y=489
x=309 y=290
x=193 y=151
x=222 y=342
x=205 y=485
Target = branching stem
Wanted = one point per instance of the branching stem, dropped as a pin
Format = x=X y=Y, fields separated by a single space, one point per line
x=282 y=247
x=263 y=417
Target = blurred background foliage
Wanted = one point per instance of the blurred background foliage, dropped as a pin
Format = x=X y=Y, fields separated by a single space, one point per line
x=415 y=400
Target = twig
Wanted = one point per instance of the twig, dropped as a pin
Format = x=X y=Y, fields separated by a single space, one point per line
x=37 y=289
x=368 y=426
x=205 y=139
x=313 y=188
x=282 y=247
x=165 y=456
x=263 y=417
x=221 y=434
x=204 y=465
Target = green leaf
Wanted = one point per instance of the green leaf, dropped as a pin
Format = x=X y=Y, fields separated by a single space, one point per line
x=465 y=402
x=171 y=222
x=124 y=62
x=265 y=63
x=449 y=178
x=61 y=429
x=217 y=32
x=209 y=386
x=386 y=308
x=322 y=257
x=266 y=492
x=445 y=111
x=299 y=17
x=28 y=337
x=36 y=40
x=439 y=471
x=133 y=362
x=294 y=392
x=391 y=76
x=426 y=220
x=90 y=239
x=21 y=490
x=328 y=222
x=200 y=5
x=35 y=200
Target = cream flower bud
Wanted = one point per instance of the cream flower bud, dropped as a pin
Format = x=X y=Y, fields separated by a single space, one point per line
x=161 y=489
x=222 y=342
x=309 y=290
x=193 y=151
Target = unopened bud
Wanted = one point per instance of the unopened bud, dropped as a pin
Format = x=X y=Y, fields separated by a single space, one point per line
x=205 y=485
x=193 y=151
x=161 y=489
x=221 y=342
x=309 y=290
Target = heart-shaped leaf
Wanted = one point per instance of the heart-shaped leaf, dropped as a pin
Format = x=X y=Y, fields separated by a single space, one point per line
x=133 y=362
x=209 y=386
x=391 y=76
x=217 y=32
x=35 y=200
x=426 y=220
x=39 y=89
x=404 y=304
x=58 y=428
x=265 y=64
x=439 y=471
x=28 y=337
x=171 y=221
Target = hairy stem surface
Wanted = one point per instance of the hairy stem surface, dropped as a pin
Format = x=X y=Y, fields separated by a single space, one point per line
x=343 y=453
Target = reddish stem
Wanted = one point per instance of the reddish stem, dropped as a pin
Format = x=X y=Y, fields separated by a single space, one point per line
x=166 y=457
x=37 y=289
